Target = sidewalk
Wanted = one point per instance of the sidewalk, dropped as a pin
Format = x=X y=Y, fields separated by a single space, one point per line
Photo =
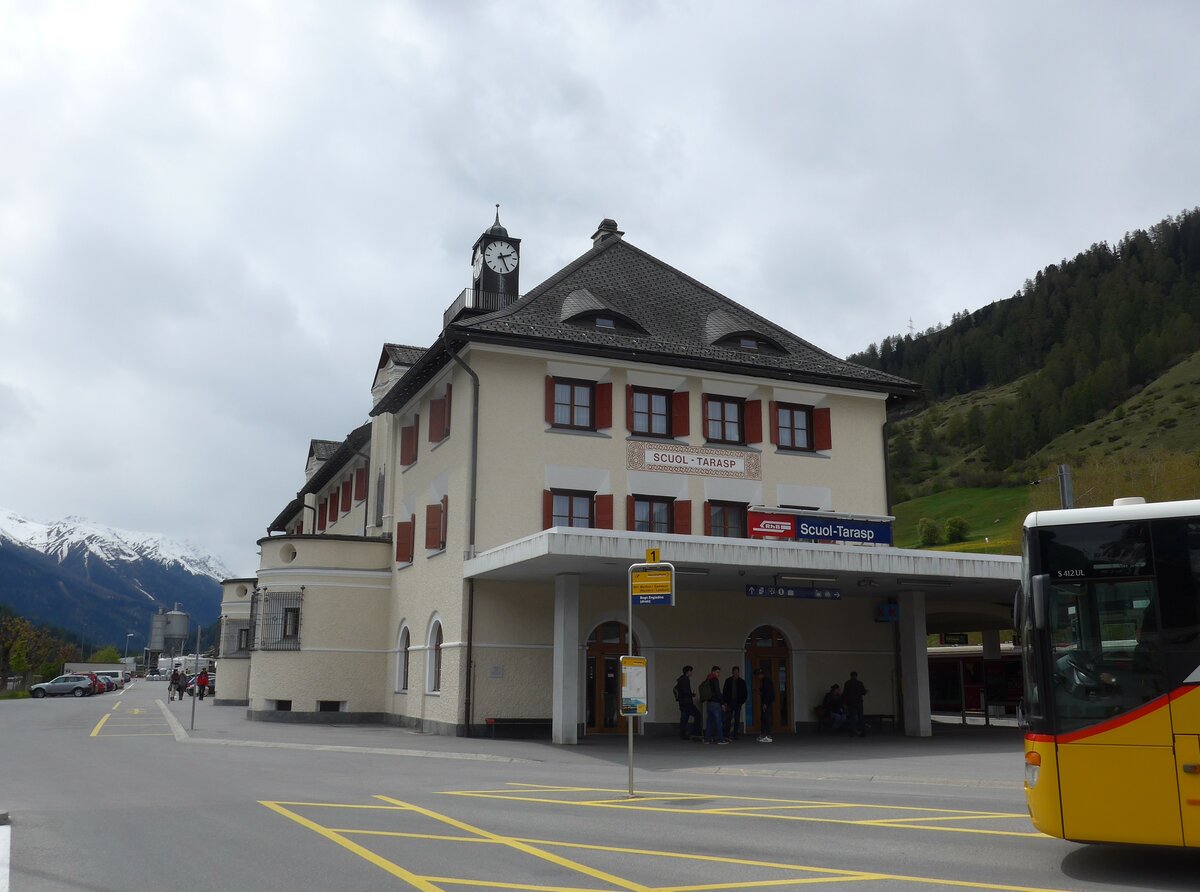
x=954 y=755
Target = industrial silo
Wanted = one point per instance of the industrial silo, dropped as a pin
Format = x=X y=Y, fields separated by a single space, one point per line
x=175 y=631
x=158 y=631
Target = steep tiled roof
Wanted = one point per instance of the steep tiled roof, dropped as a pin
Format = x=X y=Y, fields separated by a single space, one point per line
x=681 y=319
x=402 y=354
x=322 y=449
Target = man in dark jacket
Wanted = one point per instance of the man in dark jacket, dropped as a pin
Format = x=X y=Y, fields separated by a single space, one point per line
x=687 y=705
x=734 y=694
x=853 y=692
x=710 y=696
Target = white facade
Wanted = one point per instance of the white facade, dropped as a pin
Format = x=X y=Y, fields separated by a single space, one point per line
x=429 y=591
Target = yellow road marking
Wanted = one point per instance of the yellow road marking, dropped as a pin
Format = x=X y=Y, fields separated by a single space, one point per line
x=382 y=863
x=116 y=706
x=100 y=724
x=592 y=872
x=771 y=809
x=536 y=848
x=143 y=734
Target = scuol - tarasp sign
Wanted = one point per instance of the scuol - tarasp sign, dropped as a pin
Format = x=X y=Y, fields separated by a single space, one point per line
x=703 y=461
x=819 y=528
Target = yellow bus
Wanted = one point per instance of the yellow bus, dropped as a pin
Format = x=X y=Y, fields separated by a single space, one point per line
x=1109 y=613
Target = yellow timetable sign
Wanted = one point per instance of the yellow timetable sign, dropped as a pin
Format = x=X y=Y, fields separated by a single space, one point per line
x=651 y=582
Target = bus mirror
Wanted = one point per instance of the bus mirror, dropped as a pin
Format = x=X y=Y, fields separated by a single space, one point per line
x=1018 y=601
x=1040 y=599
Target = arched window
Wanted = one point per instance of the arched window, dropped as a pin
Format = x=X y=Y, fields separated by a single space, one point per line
x=402 y=661
x=435 y=658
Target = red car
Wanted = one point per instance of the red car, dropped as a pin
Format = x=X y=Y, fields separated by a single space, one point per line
x=98 y=686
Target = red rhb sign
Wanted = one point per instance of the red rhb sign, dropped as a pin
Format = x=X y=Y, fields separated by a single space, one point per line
x=771 y=526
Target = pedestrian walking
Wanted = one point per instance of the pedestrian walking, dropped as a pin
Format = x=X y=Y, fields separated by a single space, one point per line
x=766 y=705
x=202 y=683
x=173 y=686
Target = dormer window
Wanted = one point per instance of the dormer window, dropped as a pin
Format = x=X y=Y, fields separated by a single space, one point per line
x=748 y=343
x=606 y=322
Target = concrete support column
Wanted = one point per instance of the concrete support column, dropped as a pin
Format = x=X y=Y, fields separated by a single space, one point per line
x=991 y=644
x=565 y=715
x=914 y=665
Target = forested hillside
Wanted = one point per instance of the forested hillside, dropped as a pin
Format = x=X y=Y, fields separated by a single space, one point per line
x=1075 y=343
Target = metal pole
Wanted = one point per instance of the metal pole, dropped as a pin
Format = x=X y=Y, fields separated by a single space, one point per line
x=629 y=718
x=193 y=728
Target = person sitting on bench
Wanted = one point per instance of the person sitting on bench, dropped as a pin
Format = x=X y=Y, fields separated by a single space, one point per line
x=835 y=707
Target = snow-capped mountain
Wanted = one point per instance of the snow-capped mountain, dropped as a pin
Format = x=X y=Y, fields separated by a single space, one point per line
x=72 y=534
x=102 y=582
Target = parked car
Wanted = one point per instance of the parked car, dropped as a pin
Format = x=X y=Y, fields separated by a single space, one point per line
x=114 y=676
x=76 y=685
x=97 y=685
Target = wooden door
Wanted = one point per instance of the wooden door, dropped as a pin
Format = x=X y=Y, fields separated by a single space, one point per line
x=767 y=649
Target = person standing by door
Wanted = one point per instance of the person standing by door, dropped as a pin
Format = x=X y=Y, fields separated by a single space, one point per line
x=687 y=705
x=766 y=705
x=734 y=694
x=710 y=696
x=853 y=692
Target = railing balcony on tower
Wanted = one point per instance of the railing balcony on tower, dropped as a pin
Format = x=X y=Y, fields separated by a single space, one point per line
x=476 y=302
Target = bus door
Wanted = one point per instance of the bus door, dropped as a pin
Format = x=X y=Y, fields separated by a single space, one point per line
x=1116 y=756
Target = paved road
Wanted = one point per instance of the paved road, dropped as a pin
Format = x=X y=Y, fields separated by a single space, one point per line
x=117 y=793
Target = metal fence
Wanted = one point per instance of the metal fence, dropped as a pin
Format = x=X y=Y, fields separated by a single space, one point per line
x=235 y=639
x=281 y=620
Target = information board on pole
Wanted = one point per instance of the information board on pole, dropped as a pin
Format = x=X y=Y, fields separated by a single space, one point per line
x=633 y=686
x=652 y=584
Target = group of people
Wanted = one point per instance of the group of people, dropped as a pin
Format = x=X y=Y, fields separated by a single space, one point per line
x=843 y=706
x=179 y=681
x=723 y=704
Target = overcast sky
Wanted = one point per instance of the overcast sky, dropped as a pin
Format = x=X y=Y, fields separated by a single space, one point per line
x=213 y=215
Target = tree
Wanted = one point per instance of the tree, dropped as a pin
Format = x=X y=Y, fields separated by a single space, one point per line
x=19 y=661
x=108 y=654
x=957 y=529
x=928 y=531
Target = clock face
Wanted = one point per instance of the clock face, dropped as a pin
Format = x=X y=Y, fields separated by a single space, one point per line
x=477 y=263
x=501 y=257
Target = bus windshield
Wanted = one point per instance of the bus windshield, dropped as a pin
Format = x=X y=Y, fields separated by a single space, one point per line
x=1101 y=621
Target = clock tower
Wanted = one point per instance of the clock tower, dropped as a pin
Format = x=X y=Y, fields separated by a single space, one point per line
x=495 y=261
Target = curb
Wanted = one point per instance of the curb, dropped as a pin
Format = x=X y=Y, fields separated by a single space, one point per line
x=3 y=818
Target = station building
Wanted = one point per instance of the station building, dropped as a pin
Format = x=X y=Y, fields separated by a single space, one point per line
x=460 y=562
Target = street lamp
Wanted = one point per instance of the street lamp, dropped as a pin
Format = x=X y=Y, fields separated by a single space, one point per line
x=128 y=635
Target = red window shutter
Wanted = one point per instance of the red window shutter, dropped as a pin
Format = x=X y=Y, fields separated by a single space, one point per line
x=549 y=399
x=433 y=527
x=822 y=432
x=404 y=542
x=360 y=484
x=604 y=406
x=707 y=519
x=773 y=421
x=547 y=509
x=437 y=420
x=683 y=516
x=681 y=413
x=408 y=444
x=629 y=410
x=333 y=506
x=347 y=492
x=321 y=517
x=753 y=412
x=630 y=518
x=604 y=512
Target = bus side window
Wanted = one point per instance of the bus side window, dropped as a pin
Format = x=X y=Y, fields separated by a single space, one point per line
x=1177 y=550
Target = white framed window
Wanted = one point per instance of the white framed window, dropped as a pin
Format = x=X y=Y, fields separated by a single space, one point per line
x=433 y=663
x=403 y=651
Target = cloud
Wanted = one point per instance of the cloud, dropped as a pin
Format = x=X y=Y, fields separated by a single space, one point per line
x=212 y=217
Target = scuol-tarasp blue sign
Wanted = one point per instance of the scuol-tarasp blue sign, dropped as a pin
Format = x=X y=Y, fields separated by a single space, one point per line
x=867 y=532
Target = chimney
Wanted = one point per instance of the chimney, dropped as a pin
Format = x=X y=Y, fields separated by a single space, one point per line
x=606 y=230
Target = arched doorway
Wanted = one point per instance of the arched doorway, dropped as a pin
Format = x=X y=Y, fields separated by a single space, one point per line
x=767 y=649
x=605 y=647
